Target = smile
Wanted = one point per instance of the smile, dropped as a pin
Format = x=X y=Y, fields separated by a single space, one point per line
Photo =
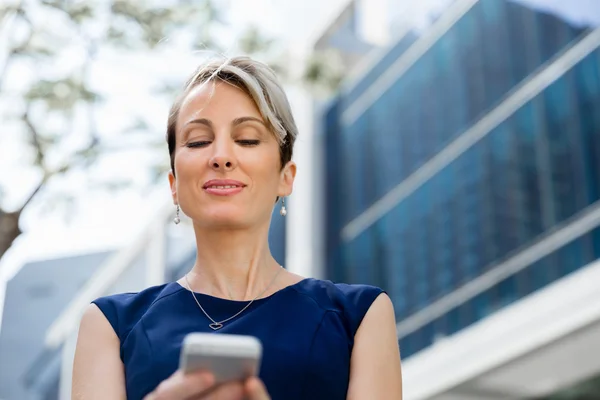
x=223 y=187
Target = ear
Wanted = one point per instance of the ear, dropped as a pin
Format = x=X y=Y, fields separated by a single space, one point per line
x=286 y=182
x=173 y=184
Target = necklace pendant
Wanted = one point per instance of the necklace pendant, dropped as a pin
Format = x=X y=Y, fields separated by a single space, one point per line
x=215 y=326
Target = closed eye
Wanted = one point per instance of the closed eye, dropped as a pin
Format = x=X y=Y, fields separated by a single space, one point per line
x=198 y=144
x=249 y=142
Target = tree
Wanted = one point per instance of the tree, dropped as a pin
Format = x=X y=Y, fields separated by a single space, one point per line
x=323 y=72
x=56 y=105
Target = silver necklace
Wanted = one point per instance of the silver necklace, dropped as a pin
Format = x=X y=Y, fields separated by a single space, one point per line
x=214 y=325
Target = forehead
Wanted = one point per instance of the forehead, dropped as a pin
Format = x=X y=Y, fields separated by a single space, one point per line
x=217 y=100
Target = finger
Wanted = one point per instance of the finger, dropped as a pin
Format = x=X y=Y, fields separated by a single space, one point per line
x=226 y=391
x=256 y=390
x=183 y=386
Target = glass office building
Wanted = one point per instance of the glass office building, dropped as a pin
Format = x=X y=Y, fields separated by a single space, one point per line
x=463 y=170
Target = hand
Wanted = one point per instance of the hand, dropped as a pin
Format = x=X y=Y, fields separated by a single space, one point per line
x=200 y=386
x=180 y=386
x=256 y=390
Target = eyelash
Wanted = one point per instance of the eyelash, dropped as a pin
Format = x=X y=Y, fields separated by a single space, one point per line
x=248 y=143
x=197 y=144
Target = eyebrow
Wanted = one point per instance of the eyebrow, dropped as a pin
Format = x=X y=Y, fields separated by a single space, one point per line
x=235 y=122
x=209 y=124
x=202 y=121
x=241 y=120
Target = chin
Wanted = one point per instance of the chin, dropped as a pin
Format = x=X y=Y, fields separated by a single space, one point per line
x=223 y=219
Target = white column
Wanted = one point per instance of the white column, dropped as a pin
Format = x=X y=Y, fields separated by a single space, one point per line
x=156 y=254
x=66 y=368
x=318 y=182
x=299 y=227
x=373 y=22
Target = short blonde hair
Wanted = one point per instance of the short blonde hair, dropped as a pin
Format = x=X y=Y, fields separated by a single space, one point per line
x=260 y=83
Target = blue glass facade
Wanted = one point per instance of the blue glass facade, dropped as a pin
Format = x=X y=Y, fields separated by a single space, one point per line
x=531 y=173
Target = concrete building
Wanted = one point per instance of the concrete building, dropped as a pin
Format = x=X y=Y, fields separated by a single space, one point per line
x=34 y=298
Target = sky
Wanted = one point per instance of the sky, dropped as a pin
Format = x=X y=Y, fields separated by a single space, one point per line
x=584 y=12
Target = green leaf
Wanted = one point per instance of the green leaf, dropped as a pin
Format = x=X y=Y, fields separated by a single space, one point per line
x=55 y=200
x=115 y=35
x=158 y=172
x=58 y=4
x=205 y=41
x=154 y=24
x=324 y=71
x=61 y=94
x=138 y=126
x=253 y=41
x=6 y=9
x=169 y=89
x=112 y=185
x=278 y=66
x=80 y=12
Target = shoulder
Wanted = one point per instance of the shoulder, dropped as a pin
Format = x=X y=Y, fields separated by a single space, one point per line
x=124 y=310
x=375 y=369
x=351 y=302
x=338 y=296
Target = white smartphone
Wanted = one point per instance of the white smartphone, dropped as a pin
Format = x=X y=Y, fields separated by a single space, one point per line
x=228 y=357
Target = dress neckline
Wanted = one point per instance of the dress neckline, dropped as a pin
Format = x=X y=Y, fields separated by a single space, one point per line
x=180 y=287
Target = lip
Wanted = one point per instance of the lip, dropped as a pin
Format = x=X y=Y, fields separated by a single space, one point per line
x=223 y=187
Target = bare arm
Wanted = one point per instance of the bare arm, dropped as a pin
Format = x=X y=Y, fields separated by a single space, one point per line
x=375 y=371
x=97 y=369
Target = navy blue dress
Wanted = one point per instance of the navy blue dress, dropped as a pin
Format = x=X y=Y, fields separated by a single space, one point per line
x=307 y=331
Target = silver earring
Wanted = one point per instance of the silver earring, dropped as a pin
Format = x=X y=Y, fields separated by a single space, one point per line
x=177 y=220
x=283 y=211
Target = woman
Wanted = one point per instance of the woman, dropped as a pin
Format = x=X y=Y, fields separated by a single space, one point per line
x=230 y=137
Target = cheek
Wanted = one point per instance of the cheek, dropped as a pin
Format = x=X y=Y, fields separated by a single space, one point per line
x=263 y=168
x=189 y=170
x=189 y=164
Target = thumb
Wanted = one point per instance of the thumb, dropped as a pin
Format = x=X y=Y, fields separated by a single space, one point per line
x=256 y=390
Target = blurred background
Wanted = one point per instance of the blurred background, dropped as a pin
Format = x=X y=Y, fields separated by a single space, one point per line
x=449 y=153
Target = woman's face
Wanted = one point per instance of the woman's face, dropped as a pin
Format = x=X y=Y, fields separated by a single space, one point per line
x=227 y=163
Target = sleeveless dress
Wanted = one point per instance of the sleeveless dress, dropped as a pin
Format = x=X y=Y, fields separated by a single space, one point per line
x=306 y=329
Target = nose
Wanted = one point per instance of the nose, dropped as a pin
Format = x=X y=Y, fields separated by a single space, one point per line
x=221 y=163
x=223 y=158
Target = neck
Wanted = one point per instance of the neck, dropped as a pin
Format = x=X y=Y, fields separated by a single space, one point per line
x=236 y=264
